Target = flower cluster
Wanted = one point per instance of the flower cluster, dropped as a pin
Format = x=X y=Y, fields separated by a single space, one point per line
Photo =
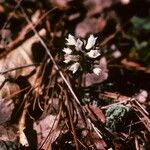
x=81 y=54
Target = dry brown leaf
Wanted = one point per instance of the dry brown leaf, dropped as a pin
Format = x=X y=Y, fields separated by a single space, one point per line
x=8 y=133
x=90 y=25
x=43 y=127
x=142 y=96
x=95 y=113
x=95 y=142
x=19 y=57
x=91 y=78
x=96 y=6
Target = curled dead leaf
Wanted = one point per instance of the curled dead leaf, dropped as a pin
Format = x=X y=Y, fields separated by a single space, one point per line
x=91 y=78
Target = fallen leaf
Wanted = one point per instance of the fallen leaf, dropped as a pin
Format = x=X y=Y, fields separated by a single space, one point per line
x=90 y=25
x=91 y=78
x=95 y=113
x=96 y=6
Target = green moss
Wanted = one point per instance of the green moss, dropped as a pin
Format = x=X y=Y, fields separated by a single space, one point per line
x=116 y=116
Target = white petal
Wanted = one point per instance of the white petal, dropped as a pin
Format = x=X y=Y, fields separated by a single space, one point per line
x=69 y=58
x=74 y=67
x=71 y=40
x=97 y=71
x=93 y=53
x=67 y=50
x=66 y=61
x=91 y=42
x=78 y=44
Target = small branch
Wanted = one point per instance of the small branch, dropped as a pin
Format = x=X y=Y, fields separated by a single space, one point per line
x=21 y=67
x=54 y=126
x=108 y=39
x=24 y=32
x=27 y=29
x=71 y=122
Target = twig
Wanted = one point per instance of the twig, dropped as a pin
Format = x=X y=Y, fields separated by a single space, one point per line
x=16 y=93
x=27 y=29
x=54 y=125
x=108 y=39
x=136 y=144
x=71 y=122
x=142 y=108
x=70 y=117
x=96 y=129
x=21 y=67
x=23 y=33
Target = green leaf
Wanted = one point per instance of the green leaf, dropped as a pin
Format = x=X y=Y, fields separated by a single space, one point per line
x=141 y=23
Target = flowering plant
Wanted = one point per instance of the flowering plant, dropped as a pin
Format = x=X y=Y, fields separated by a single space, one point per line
x=81 y=54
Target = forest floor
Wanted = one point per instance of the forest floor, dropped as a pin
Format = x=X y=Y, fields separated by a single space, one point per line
x=75 y=75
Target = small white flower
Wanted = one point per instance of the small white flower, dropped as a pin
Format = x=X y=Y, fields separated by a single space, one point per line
x=78 y=45
x=91 y=42
x=69 y=58
x=66 y=61
x=97 y=71
x=74 y=67
x=71 y=40
x=93 y=53
x=67 y=50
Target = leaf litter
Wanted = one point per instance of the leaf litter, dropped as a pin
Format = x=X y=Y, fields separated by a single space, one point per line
x=103 y=104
